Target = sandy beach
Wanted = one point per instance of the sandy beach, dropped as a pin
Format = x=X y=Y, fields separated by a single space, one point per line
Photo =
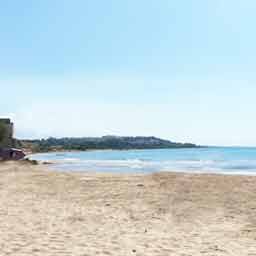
x=52 y=213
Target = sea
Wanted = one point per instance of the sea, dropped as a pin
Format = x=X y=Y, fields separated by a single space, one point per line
x=217 y=160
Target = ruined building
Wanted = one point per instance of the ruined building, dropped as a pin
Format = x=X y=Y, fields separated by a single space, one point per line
x=6 y=130
x=7 y=142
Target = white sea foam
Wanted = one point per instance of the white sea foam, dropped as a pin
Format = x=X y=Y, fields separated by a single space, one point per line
x=132 y=163
x=204 y=160
x=70 y=160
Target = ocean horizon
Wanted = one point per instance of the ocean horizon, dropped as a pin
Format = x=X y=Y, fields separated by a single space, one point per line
x=211 y=160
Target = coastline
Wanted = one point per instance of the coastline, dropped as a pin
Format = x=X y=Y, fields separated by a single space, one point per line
x=29 y=152
x=226 y=161
x=63 y=213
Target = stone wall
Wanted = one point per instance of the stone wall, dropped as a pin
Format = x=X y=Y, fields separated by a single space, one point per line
x=8 y=137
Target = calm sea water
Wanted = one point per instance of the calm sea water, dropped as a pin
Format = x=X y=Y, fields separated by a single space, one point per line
x=200 y=160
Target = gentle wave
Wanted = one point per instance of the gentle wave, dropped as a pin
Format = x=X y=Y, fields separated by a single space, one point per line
x=198 y=165
x=232 y=161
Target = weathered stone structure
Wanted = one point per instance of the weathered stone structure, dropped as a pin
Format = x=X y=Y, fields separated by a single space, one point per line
x=7 y=140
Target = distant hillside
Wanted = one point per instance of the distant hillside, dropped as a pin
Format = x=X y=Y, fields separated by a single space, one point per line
x=105 y=142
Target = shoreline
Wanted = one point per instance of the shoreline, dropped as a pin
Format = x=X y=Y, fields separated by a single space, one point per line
x=109 y=149
x=183 y=172
x=48 y=212
x=209 y=161
x=57 y=168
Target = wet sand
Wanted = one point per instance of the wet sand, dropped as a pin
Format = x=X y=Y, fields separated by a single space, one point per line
x=52 y=213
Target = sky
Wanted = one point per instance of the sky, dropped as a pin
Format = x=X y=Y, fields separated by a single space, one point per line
x=180 y=70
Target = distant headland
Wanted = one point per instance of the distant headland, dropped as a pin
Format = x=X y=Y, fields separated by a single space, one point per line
x=85 y=143
x=105 y=142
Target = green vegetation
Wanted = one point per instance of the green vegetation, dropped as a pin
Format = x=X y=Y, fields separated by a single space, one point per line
x=106 y=142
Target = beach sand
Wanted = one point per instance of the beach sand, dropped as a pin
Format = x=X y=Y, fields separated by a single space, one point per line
x=52 y=213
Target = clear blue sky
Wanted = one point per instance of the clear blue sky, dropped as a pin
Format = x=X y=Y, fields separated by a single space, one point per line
x=181 y=70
